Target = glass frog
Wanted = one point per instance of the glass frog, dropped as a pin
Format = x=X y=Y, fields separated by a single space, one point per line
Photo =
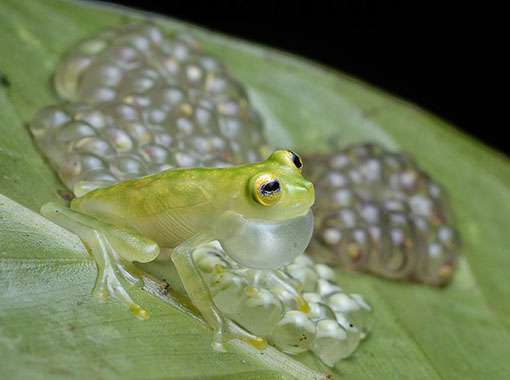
x=141 y=101
x=259 y=212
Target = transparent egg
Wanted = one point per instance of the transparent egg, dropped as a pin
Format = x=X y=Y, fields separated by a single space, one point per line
x=207 y=147
x=353 y=333
x=368 y=315
x=104 y=72
x=223 y=87
x=294 y=333
x=166 y=140
x=138 y=131
x=182 y=126
x=319 y=311
x=227 y=290
x=192 y=76
x=136 y=85
x=47 y=119
x=342 y=302
x=168 y=97
x=440 y=262
x=312 y=297
x=94 y=93
x=127 y=57
x=94 y=117
x=324 y=272
x=210 y=264
x=210 y=63
x=127 y=167
x=78 y=164
x=152 y=32
x=68 y=75
x=73 y=130
x=326 y=287
x=205 y=119
x=101 y=176
x=138 y=41
x=119 y=138
x=185 y=160
x=154 y=115
x=259 y=311
x=330 y=343
x=154 y=153
x=291 y=299
x=122 y=112
x=305 y=275
x=95 y=145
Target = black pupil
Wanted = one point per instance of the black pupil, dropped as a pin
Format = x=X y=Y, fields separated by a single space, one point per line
x=296 y=159
x=271 y=186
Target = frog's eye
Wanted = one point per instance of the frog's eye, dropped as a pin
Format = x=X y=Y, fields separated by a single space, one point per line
x=296 y=160
x=267 y=190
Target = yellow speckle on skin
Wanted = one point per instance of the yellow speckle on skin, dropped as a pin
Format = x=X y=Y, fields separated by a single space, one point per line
x=252 y=289
x=353 y=250
x=303 y=305
x=139 y=311
x=445 y=272
x=187 y=110
x=258 y=342
x=219 y=268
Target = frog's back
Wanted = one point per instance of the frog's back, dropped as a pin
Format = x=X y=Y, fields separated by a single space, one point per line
x=168 y=207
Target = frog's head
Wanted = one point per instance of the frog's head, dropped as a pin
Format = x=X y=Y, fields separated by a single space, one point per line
x=272 y=219
x=275 y=190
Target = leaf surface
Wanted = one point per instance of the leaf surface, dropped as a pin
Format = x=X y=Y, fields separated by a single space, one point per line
x=51 y=327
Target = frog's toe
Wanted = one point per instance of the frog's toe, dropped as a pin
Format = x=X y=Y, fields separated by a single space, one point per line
x=100 y=293
x=129 y=272
x=139 y=311
x=218 y=346
x=218 y=342
x=235 y=332
x=258 y=342
x=108 y=282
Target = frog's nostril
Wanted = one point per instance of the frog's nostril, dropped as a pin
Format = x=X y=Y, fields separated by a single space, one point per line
x=308 y=186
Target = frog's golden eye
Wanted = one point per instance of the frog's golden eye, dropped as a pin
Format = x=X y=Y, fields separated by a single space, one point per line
x=296 y=160
x=267 y=190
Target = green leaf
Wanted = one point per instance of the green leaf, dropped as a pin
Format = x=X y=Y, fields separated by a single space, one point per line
x=51 y=327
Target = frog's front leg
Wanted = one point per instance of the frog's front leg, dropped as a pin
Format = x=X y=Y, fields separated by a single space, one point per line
x=113 y=247
x=197 y=289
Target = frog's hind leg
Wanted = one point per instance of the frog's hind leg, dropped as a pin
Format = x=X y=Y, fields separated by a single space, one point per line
x=114 y=248
x=196 y=287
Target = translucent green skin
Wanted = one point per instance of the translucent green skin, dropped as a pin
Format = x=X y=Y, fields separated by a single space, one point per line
x=172 y=206
x=184 y=209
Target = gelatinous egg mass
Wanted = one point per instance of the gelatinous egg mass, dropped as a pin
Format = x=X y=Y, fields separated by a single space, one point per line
x=297 y=308
x=378 y=211
x=142 y=102
x=139 y=101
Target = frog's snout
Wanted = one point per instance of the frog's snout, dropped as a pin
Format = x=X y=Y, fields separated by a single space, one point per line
x=309 y=191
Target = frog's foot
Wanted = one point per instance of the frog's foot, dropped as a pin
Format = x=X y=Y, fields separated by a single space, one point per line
x=112 y=248
x=109 y=276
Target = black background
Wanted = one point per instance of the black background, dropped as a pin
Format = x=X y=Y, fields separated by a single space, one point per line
x=447 y=59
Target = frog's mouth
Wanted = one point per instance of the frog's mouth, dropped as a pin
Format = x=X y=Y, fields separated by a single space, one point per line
x=261 y=244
